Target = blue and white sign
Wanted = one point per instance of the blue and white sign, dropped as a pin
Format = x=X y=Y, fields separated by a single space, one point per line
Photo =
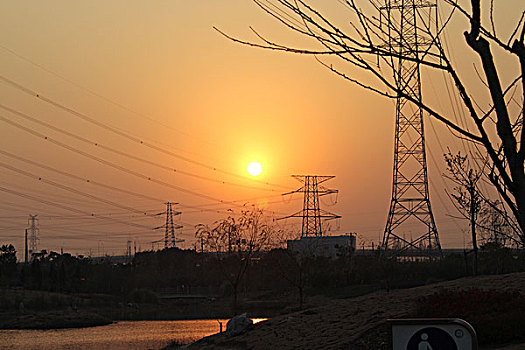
x=433 y=334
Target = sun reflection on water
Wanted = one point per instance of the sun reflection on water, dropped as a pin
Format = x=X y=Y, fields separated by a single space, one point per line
x=257 y=320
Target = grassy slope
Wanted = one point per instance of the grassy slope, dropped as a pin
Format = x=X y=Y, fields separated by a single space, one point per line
x=357 y=323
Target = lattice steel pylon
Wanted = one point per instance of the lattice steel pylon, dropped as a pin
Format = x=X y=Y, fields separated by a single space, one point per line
x=33 y=234
x=312 y=213
x=170 y=227
x=410 y=229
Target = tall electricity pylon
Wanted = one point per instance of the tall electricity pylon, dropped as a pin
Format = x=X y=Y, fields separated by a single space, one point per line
x=410 y=229
x=33 y=234
x=170 y=227
x=312 y=213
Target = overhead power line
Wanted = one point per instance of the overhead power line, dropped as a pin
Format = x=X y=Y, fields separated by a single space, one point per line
x=70 y=189
x=111 y=164
x=75 y=210
x=125 y=154
x=121 y=133
x=132 y=172
x=90 y=91
x=196 y=208
x=73 y=176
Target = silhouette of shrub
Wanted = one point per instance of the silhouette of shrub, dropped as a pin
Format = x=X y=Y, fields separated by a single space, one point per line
x=144 y=296
x=496 y=315
x=225 y=289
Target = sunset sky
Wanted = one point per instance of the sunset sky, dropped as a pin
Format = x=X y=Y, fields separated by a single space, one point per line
x=159 y=72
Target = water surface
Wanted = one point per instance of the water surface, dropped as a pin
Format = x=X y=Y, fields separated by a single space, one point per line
x=120 y=335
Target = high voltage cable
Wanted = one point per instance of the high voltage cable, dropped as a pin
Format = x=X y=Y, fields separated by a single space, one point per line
x=104 y=97
x=87 y=215
x=461 y=111
x=45 y=217
x=58 y=205
x=17 y=221
x=50 y=231
x=124 y=154
x=196 y=208
x=65 y=198
x=55 y=216
x=122 y=133
x=86 y=221
x=110 y=164
x=107 y=235
x=247 y=200
x=128 y=192
x=70 y=189
x=96 y=183
x=87 y=233
x=85 y=140
x=25 y=208
x=129 y=171
x=73 y=176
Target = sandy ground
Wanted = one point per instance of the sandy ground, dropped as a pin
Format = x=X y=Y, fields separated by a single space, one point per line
x=357 y=323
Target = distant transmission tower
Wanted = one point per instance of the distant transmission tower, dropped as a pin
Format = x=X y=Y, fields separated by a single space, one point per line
x=128 y=250
x=312 y=213
x=410 y=229
x=170 y=227
x=33 y=234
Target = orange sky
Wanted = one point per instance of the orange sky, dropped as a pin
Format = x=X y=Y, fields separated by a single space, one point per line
x=158 y=71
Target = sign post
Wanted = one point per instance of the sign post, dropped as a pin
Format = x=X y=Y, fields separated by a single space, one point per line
x=433 y=334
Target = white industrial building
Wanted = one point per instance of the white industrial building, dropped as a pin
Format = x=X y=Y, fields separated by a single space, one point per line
x=327 y=246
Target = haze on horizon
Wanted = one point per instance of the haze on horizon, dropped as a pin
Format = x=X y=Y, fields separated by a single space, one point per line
x=160 y=73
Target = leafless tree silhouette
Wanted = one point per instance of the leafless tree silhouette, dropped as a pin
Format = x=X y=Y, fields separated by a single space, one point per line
x=364 y=53
x=466 y=196
x=235 y=241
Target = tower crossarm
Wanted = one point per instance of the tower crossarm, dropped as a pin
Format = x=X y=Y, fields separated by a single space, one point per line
x=311 y=213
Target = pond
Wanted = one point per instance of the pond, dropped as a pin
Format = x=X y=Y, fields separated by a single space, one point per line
x=119 y=335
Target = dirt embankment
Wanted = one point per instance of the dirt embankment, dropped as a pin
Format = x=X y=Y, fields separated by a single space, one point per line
x=357 y=323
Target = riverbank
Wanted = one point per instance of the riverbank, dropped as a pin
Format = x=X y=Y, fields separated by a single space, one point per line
x=53 y=320
x=29 y=309
x=355 y=323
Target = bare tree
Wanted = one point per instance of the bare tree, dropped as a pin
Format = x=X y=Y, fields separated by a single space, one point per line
x=235 y=241
x=294 y=268
x=496 y=227
x=367 y=45
x=467 y=199
x=296 y=264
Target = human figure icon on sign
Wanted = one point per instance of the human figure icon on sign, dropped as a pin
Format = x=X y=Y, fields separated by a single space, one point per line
x=431 y=338
x=424 y=344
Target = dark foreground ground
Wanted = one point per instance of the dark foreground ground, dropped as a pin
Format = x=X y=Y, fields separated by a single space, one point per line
x=355 y=323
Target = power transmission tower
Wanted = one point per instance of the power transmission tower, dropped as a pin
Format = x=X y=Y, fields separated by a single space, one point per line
x=128 y=250
x=26 y=252
x=170 y=227
x=410 y=210
x=312 y=213
x=33 y=237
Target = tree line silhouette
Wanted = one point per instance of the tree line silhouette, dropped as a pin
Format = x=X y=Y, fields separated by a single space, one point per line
x=276 y=272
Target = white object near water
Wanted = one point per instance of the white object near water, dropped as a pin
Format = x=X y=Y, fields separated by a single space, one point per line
x=238 y=324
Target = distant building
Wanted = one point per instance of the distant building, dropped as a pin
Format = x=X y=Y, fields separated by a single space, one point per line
x=327 y=246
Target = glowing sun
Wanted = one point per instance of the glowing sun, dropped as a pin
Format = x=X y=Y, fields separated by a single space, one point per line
x=255 y=169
